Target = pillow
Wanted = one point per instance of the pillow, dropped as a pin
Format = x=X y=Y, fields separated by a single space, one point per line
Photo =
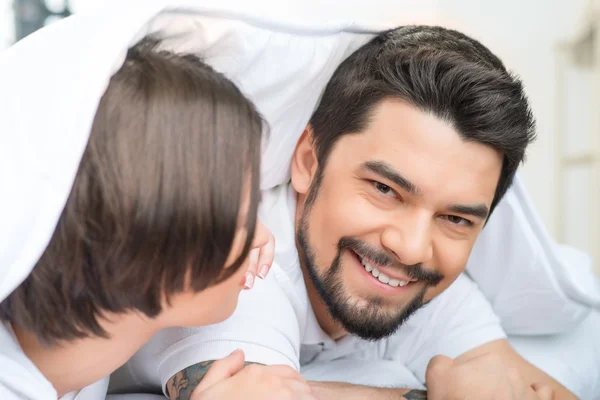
x=535 y=286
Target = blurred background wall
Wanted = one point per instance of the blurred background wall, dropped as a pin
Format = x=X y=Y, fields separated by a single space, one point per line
x=551 y=44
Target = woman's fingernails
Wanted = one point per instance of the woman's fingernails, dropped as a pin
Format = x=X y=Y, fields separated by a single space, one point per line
x=249 y=280
x=263 y=271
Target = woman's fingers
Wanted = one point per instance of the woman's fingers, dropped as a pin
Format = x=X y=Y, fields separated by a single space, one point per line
x=221 y=370
x=252 y=268
x=265 y=259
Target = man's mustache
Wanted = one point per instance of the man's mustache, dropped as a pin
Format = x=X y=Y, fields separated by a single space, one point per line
x=416 y=271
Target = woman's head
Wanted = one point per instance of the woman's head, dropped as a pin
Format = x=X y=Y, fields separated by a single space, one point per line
x=163 y=205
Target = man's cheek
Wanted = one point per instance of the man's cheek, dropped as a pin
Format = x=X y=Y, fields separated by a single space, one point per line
x=355 y=216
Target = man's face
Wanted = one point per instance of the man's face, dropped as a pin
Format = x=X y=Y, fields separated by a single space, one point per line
x=394 y=217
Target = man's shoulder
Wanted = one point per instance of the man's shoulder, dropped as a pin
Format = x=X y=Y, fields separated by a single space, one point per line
x=279 y=290
x=271 y=307
x=266 y=325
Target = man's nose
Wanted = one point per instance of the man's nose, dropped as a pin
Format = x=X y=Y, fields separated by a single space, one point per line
x=410 y=240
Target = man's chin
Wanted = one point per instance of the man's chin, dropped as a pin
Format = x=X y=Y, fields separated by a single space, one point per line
x=374 y=317
x=370 y=322
x=376 y=304
x=369 y=331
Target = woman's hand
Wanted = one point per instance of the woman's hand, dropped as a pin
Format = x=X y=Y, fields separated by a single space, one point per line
x=229 y=378
x=260 y=261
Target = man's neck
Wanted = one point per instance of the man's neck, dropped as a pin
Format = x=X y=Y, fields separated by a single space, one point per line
x=71 y=366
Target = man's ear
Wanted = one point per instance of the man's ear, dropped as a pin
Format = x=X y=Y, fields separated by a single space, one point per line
x=304 y=162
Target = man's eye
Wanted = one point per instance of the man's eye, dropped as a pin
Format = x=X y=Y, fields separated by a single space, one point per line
x=385 y=189
x=458 y=220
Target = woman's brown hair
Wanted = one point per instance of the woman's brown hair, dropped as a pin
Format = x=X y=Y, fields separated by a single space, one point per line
x=155 y=203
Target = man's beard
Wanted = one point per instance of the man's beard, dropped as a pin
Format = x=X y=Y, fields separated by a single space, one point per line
x=370 y=322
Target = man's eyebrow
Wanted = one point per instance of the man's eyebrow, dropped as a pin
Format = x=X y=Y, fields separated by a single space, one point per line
x=480 y=211
x=385 y=170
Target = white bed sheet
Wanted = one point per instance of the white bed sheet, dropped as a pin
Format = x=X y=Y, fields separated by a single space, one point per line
x=572 y=358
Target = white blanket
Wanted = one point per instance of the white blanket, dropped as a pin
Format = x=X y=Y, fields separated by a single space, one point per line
x=281 y=55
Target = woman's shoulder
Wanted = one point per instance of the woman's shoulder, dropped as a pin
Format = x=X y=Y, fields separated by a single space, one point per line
x=19 y=377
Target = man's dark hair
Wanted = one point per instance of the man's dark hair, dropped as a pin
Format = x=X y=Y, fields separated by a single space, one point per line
x=155 y=204
x=438 y=71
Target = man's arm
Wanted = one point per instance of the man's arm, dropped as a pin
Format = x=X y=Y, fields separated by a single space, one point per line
x=269 y=338
x=500 y=356
x=182 y=384
x=512 y=359
x=478 y=376
x=346 y=391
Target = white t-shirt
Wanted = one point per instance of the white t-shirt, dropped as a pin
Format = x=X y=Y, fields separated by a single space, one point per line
x=20 y=379
x=274 y=324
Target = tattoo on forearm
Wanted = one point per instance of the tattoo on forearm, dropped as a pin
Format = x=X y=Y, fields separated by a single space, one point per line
x=183 y=383
x=415 y=395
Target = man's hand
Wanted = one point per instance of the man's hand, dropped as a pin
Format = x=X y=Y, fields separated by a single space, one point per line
x=482 y=377
x=232 y=378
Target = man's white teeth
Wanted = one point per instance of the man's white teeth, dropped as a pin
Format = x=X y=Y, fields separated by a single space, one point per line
x=396 y=283
x=383 y=278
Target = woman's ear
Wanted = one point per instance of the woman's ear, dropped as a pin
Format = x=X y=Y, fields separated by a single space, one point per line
x=304 y=162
